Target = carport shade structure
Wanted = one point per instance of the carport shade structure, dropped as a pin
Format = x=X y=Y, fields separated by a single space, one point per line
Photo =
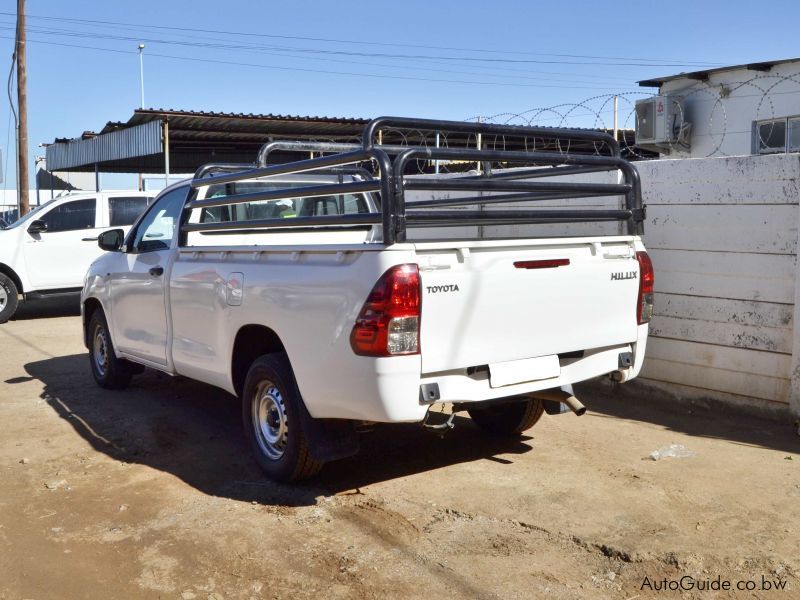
x=163 y=141
x=176 y=141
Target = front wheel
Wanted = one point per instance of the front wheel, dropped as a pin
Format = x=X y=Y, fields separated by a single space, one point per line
x=508 y=418
x=271 y=406
x=109 y=371
x=8 y=298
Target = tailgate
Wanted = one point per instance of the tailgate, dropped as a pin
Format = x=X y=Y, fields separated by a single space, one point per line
x=484 y=305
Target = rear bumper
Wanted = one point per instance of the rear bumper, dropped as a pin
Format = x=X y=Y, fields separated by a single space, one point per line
x=393 y=393
x=463 y=388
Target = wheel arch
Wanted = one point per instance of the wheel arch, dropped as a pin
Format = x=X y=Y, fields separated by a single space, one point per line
x=90 y=306
x=251 y=341
x=12 y=275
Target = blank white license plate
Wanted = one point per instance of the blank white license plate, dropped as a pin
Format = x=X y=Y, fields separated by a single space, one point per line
x=521 y=371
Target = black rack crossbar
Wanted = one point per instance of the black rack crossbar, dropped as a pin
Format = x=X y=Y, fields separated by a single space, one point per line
x=446 y=218
x=544 y=158
x=311 y=191
x=498 y=199
x=549 y=171
x=301 y=166
x=321 y=147
x=293 y=223
x=486 y=220
x=492 y=185
x=585 y=135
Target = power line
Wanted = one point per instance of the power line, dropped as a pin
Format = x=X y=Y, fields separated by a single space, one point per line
x=636 y=60
x=494 y=68
x=383 y=65
x=321 y=71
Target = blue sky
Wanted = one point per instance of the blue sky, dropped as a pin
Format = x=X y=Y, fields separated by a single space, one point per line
x=432 y=59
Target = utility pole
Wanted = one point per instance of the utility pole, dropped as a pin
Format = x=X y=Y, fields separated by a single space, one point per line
x=22 y=105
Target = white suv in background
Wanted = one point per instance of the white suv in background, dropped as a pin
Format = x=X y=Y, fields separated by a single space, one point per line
x=49 y=250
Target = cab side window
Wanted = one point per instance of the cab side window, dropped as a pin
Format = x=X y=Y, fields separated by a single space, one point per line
x=71 y=216
x=124 y=210
x=157 y=228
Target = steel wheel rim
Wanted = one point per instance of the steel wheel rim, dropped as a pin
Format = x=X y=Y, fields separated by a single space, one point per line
x=269 y=420
x=3 y=297
x=100 y=351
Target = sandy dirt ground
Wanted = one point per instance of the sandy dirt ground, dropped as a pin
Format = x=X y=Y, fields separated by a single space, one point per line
x=151 y=493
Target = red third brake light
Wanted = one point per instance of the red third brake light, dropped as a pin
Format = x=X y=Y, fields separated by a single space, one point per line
x=388 y=323
x=644 y=307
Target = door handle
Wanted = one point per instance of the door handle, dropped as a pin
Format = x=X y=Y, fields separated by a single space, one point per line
x=157 y=271
x=94 y=239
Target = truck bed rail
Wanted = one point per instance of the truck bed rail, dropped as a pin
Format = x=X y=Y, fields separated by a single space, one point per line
x=391 y=181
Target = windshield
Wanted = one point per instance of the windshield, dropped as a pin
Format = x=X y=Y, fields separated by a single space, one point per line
x=34 y=211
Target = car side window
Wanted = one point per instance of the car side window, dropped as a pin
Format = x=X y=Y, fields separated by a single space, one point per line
x=156 y=230
x=71 y=216
x=124 y=210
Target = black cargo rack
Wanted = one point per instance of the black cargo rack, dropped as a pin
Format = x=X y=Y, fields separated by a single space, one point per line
x=391 y=181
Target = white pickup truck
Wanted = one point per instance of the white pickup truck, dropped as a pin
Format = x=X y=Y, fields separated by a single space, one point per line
x=295 y=287
x=48 y=251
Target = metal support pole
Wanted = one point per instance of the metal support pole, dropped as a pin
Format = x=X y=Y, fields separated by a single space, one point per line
x=480 y=143
x=616 y=111
x=165 y=129
x=436 y=162
x=37 y=161
x=141 y=72
x=96 y=177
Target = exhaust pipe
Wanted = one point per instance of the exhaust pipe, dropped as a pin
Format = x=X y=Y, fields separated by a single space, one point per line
x=561 y=397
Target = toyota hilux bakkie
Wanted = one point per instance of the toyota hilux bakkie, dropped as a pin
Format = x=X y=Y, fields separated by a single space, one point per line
x=300 y=288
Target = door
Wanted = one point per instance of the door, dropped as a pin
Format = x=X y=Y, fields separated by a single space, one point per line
x=138 y=281
x=59 y=257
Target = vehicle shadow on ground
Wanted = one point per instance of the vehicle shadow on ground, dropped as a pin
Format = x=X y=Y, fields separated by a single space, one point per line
x=721 y=422
x=193 y=431
x=68 y=305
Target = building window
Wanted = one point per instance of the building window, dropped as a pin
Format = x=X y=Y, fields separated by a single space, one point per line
x=776 y=135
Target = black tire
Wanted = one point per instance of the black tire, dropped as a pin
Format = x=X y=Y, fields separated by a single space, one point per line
x=271 y=406
x=109 y=372
x=508 y=418
x=9 y=298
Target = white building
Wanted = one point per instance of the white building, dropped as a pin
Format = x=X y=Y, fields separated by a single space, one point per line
x=726 y=111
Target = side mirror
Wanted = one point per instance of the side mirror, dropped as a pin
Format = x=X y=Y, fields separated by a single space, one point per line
x=111 y=241
x=37 y=226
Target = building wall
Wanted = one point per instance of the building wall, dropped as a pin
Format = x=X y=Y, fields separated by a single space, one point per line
x=722 y=117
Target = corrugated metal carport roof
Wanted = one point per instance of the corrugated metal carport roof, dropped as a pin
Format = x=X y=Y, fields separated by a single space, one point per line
x=196 y=138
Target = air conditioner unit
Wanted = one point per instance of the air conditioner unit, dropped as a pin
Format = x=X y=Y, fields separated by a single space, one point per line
x=661 y=123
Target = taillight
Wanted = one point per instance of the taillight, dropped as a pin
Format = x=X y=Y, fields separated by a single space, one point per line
x=388 y=323
x=644 y=308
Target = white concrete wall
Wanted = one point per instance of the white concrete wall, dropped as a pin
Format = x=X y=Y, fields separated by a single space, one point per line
x=722 y=233
x=722 y=124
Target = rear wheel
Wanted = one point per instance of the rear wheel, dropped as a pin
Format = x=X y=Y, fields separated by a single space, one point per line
x=271 y=406
x=8 y=298
x=508 y=418
x=109 y=371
